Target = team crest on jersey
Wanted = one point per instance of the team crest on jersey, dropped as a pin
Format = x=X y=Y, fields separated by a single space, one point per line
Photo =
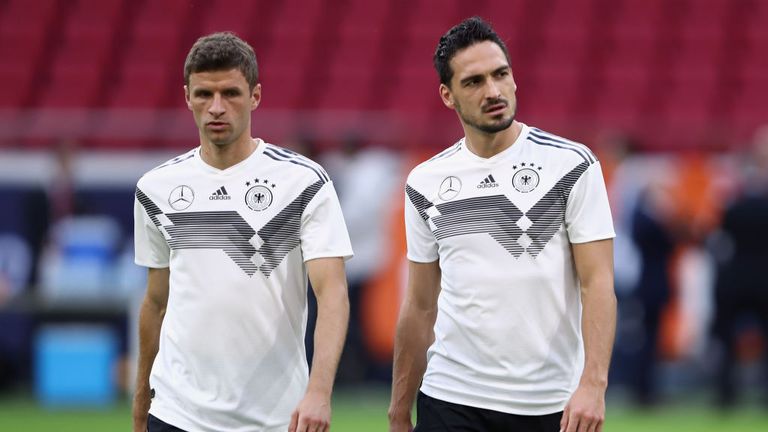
x=259 y=197
x=526 y=177
x=449 y=188
x=181 y=197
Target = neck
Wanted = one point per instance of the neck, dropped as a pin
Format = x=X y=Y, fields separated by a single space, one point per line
x=225 y=156
x=487 y=145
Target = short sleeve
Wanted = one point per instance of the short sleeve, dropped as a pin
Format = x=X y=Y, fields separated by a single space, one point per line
x=323 y=230
x=422 y=245
x=588 y=215
x=151 y=248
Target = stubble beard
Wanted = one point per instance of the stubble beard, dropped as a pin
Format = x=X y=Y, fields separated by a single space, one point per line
x=220 y=142
x=492 y=128
x=221 y=139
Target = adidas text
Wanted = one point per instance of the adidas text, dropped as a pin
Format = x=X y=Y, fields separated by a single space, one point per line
x=220 y=194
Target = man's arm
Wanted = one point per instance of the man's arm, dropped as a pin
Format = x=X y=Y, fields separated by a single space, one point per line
x=330 y=285
x=150 y=321
x=594 y=265
x=415 y=333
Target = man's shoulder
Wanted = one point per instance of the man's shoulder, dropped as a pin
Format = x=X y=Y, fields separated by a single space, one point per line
x=564 y=147
x=168 y=168
x=437 y=164
x=295 y=163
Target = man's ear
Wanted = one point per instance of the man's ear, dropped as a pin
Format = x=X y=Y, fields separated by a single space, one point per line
x=446 y=96
x=186 y=97
x=255 y=96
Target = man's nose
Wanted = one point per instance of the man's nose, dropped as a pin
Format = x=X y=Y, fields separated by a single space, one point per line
x=217 y=106
x=492 y=90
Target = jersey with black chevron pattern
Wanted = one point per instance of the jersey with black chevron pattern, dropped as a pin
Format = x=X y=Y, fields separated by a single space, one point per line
x=498 y=217
x=228 y=231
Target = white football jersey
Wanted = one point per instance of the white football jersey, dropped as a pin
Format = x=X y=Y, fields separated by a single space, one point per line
x=232 y=351
x=508 y=332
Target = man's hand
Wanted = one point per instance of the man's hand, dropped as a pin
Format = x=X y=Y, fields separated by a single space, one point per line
x=141 y=402
x=312 y=415
x=585 y=411
x=400 y=422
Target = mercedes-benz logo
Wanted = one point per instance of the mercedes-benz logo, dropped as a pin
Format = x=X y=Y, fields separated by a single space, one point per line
x=181 y=197
x=449 y=188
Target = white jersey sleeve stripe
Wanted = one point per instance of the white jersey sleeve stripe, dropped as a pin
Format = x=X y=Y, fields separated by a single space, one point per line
x=546 y=136
x=544 y=142
x=188 y=155
x=447 y=152
x=320 y=174
x=290 y=154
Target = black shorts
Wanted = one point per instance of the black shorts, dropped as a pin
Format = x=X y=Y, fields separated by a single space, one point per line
x=436 y=415
x=154 y=424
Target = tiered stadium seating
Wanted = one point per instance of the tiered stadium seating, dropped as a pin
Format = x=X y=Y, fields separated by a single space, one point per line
x=24 y=33
x=634 y=64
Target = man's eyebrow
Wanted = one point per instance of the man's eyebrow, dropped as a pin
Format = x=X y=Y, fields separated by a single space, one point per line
x=224 y=90
x=470 y=78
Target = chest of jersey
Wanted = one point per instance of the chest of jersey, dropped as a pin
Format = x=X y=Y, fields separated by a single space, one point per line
x=521 y=204
x=254 y=220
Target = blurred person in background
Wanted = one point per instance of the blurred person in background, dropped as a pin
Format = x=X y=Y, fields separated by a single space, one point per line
x=654 y=240
x=61 y=190
x=509 y=239
x=367 y=178
x=741 y=250
x=230 y=231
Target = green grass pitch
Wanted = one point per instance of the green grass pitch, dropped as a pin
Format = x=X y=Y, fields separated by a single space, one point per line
x=366 y=411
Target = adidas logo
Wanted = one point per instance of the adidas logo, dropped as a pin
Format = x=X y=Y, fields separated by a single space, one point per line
x=220 y=194
x=488 y=182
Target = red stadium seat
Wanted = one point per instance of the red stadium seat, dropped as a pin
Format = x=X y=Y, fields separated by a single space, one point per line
x=15 y=85
x=241 y=16
x=23 y=46
x=620 y=95
x=71 y=86
x=748 y=109
x=413 y=89
x=23 y=13
x=140 y=86
x=95 y=12
x=687 y=107
x=282 y=87
x=348 y=90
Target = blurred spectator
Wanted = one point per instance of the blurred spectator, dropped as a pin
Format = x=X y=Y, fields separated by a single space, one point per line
x=367 y=180
x=15 y=266
x=741 y=249
x=655 y=243
x=61 y=190
x=54 y=200
x=625 y=172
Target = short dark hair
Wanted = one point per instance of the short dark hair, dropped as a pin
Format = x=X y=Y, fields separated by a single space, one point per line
x=463 y=35
x=222 y=51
